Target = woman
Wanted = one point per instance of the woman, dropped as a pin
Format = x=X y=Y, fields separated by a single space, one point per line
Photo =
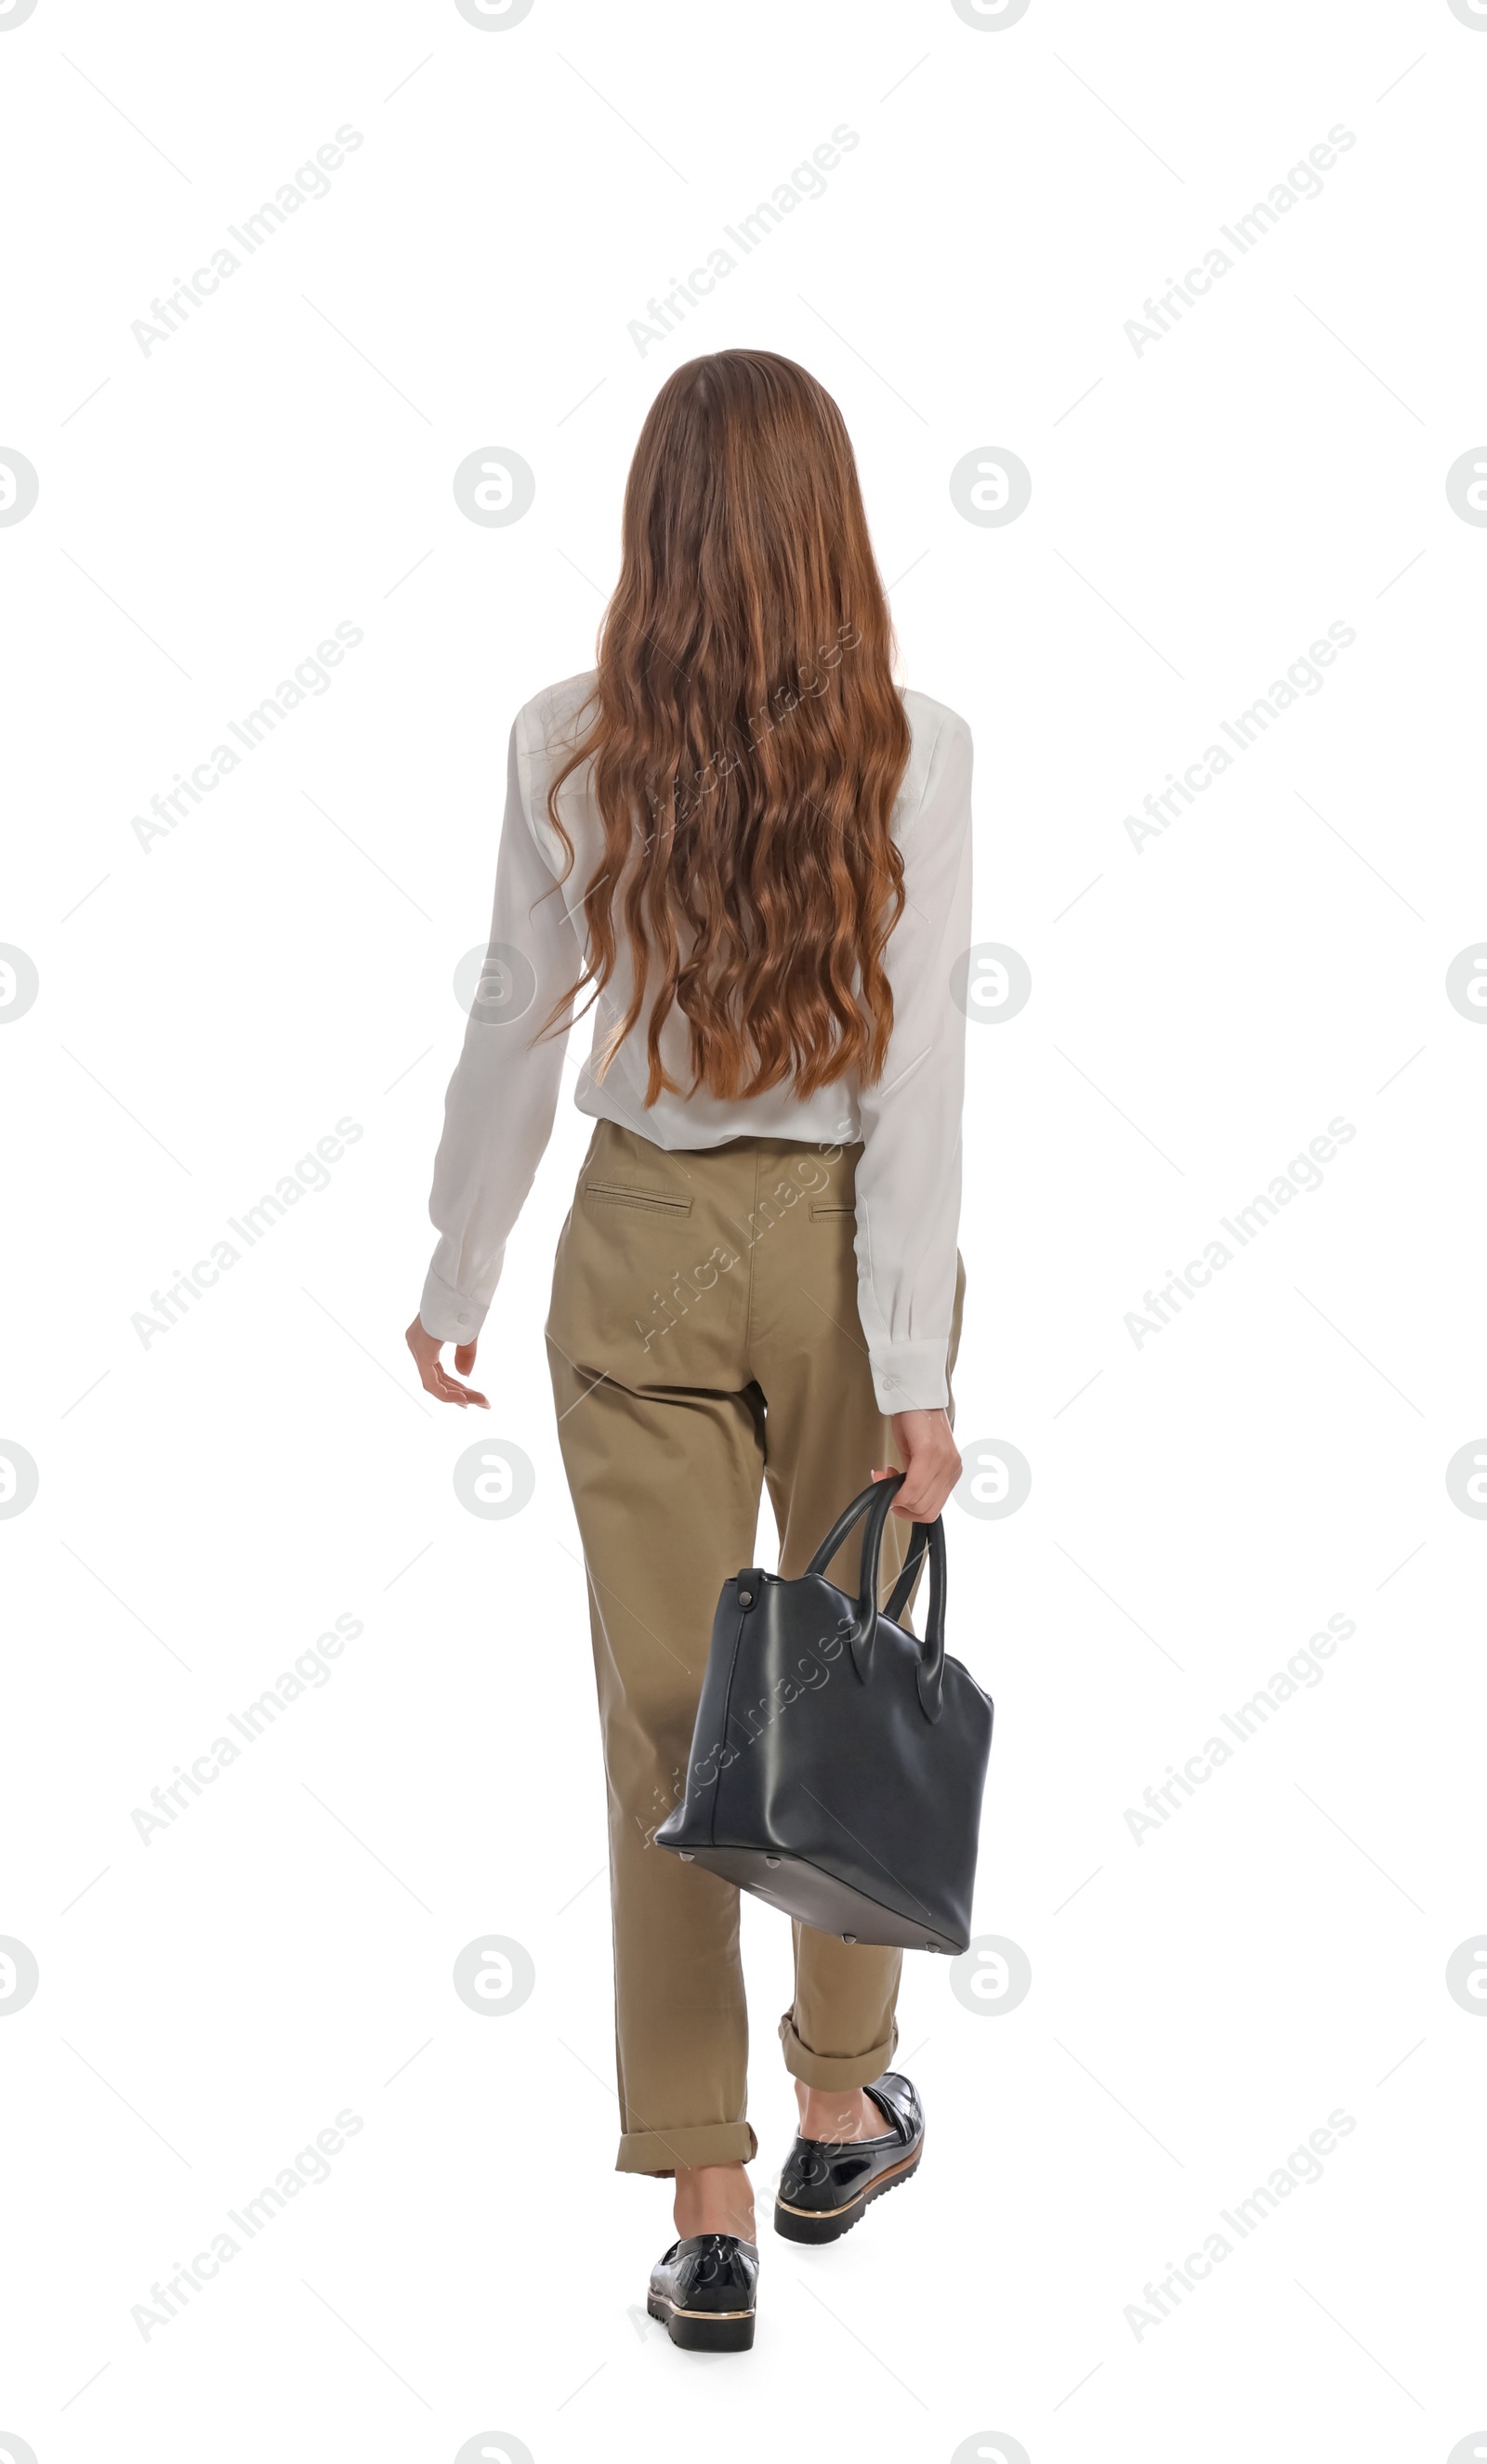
x=751 y=855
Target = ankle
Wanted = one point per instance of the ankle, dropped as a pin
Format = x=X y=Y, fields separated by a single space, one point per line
x=713 y=2199
x=834 y=2115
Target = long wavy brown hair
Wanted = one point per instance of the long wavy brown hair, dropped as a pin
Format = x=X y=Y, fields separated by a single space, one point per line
x=749 y=742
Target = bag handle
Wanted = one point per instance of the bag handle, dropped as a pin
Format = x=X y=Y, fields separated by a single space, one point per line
x=874 y=1503
x=898 y=1597
x=931 y=1673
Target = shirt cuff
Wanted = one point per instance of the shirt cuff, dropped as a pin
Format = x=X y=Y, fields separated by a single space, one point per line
x=909 y=1377
x=450 y=1315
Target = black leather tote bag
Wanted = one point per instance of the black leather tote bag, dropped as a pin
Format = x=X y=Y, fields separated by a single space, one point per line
x=838 y=1762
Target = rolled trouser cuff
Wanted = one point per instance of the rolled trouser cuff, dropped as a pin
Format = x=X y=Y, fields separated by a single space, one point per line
x=834 y=2070
x=706 y=2143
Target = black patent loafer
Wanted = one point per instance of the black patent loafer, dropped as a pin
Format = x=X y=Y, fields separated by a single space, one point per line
x=704 y=2293
x=828 y=2182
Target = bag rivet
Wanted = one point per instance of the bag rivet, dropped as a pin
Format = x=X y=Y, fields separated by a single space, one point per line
x=771 y=1862
x=849 y=1937
x=746 y=1599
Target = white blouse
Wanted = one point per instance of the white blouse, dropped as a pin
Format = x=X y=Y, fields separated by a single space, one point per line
x=498 y=1111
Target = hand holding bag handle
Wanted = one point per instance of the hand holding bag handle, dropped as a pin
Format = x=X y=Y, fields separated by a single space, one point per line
x=861 y=1631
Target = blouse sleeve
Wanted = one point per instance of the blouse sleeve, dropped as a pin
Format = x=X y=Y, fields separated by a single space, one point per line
x=908 y=1179
x=498 y=1111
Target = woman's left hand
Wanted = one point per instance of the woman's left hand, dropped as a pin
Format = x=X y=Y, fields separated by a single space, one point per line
x=433 y=1377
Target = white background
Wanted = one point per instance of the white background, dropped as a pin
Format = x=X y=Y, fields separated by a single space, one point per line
x=210 y=1503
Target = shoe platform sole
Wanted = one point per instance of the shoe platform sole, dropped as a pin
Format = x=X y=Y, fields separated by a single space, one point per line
x=812 y=2225
x=703 y=2331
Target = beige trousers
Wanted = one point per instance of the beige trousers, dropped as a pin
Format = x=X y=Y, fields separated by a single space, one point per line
x=703 y=1337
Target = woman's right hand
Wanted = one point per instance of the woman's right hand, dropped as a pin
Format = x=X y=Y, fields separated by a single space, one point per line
x=434 y=1377
x=931 y=1463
